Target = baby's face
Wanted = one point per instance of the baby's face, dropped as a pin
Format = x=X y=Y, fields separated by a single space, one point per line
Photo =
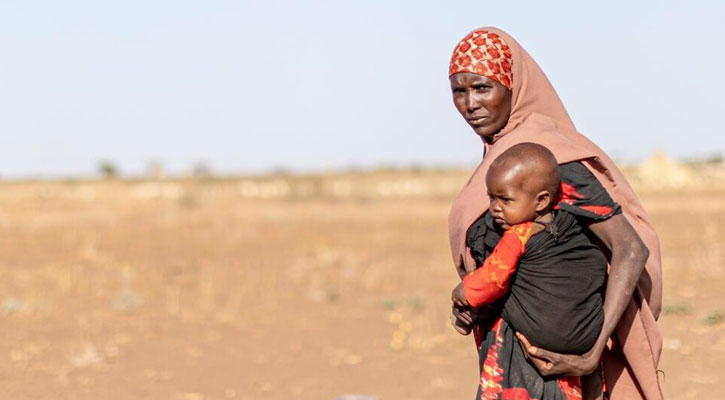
x=510 y=204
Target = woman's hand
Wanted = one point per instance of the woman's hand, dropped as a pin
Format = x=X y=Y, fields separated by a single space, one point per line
x=464 y=318
x=550 y=363
x=461 y=314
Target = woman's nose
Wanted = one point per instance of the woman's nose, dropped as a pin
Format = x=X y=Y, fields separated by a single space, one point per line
x=471 y=103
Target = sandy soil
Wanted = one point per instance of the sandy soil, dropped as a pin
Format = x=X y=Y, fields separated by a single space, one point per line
x=116 y=290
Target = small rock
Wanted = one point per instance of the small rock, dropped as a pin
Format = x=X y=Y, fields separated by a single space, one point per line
x=88 y=356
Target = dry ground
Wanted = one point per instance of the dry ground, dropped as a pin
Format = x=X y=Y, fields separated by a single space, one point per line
x=133 y=290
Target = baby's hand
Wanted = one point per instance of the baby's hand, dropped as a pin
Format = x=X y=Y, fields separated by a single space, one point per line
x=458 y=296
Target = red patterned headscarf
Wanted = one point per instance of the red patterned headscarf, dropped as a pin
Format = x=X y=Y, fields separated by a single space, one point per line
x=483 y=53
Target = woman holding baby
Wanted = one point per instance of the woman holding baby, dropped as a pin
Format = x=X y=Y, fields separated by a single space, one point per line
x=507 y=100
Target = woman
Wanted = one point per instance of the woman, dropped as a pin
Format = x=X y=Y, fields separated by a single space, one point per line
x=506 y=98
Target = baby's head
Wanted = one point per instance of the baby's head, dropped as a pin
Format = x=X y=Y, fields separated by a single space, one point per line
x=522 y=184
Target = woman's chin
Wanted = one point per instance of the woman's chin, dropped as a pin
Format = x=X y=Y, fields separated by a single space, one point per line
x=484 y=134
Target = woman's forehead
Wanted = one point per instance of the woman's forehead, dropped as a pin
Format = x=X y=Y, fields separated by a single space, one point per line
x=470 y=78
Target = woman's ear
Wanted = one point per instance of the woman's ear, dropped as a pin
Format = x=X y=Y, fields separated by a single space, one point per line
x=543 y=200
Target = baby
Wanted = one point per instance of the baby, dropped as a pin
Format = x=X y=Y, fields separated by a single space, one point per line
x=544 y=273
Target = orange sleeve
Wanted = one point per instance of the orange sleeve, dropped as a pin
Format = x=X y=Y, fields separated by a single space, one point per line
x=491 y=281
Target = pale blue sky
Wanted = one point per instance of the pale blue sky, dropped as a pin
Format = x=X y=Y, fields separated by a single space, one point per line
x=309 y=85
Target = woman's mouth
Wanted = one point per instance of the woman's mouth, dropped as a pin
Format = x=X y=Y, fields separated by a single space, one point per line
x=477 y=121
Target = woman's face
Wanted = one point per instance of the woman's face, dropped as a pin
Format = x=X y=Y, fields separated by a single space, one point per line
x=484 y=103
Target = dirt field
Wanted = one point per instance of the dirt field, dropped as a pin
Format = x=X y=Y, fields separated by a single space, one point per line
x=195 y=290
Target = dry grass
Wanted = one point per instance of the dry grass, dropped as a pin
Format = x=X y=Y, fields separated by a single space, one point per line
x=189 y=290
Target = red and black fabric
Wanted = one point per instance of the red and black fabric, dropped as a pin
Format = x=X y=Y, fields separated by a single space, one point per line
x=555 y=296
x=581 y=194
x=507 y=375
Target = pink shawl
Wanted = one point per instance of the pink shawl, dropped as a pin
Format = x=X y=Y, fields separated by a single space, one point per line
x=538 y=116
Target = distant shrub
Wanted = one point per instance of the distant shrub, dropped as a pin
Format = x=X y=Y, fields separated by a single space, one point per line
x=714 y=318
x=677 y=309
x=107 y=169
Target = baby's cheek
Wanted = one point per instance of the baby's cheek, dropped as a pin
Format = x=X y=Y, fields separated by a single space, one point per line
x=518 y=216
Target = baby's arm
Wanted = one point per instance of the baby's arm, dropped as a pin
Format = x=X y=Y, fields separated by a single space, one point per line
x=491 y=281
